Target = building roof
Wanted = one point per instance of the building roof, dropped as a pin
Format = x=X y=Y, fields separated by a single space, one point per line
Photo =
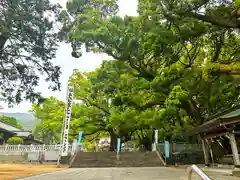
x=8 y=127
x=22 y=133
x=18 y=132
x=230 y=116
x=14 y=130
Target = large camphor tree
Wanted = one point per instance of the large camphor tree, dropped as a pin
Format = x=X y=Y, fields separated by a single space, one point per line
x=182 y=58
x=116 y=102
x=191 y=62
x=112 y=102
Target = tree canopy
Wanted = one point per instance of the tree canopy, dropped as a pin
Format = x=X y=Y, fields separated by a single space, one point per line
x=50 y=116
x=124 y=104
x=10 y=121
x=28 y=44
x=188 y=61
x=174 y=65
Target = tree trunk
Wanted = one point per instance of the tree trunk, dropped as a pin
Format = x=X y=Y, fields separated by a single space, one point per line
x=113 y=141
x=3 y=40
x=147 y=144
x=193 y=111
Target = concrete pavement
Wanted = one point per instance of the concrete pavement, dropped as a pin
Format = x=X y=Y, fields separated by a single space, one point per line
x=143 y=173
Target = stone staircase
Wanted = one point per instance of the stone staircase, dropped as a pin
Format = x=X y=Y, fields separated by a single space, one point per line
x=109 y=159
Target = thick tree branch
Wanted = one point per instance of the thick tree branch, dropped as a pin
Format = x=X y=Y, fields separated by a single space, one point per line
x=90 y=140
x=193 y=111
x=90 y=133
x=227 y=69
x=217 y=22
x=151 y=104
x=96 y=105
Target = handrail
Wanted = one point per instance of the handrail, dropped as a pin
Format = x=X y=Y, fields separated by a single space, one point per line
x=72 y=159
x=160 y=155
x=197 y=170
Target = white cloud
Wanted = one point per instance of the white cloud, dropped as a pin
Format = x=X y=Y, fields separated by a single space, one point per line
x=87 y=62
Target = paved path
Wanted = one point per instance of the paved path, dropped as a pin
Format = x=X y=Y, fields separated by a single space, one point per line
x=158 y=173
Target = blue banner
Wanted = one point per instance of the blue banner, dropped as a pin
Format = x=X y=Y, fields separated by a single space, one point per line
x=166 y=149
x=80 y=135
x=118 y=144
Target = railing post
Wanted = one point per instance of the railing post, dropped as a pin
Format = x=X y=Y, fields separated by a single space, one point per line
x=6 y=146
x=31 y=148
x=189 y=173
x=160 y=156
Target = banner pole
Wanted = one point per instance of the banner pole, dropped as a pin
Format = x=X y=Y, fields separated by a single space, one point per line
x=61 y=137
x=66 y=124
x=60 y=148
x=61 y=140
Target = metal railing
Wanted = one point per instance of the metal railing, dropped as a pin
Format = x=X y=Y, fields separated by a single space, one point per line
x=79 y=148
x=198 y=171
x=160 y=155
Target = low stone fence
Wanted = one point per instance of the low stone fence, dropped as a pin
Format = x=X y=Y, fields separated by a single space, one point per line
x=31 y=148
x=30 y=153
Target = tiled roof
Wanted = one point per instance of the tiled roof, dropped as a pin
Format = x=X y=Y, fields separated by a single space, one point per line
x=18 y=132
x=8 y=127
x=23 y=134
x=213 y=124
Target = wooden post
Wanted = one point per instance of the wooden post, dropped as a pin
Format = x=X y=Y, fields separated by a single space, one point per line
x=234 y=149
x=205 y=152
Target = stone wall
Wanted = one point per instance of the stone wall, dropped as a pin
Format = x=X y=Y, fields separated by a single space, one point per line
x=13 y=158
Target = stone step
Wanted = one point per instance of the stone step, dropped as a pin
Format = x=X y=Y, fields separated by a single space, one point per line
x=109 y=159
x=113 y=165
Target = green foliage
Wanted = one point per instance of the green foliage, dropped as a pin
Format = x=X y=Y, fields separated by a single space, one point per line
x=50 y=115
x=173 y=67
x=15 y=141
x=27 y=45
x=118 y=102
x=182 y=60
x=236 y=3
x=10 y=121
x=103 y=8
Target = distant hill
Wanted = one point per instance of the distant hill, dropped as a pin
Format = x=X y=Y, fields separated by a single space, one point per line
x=27 y=120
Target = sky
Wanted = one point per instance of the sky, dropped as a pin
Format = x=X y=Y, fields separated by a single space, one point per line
x=87 y=62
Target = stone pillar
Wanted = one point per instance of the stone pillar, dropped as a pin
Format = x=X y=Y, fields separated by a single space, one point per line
x=155 y=143
x=234 y=149
x=74 y=146
x=205 y=152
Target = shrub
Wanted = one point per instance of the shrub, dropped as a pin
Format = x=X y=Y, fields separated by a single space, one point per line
x=15 y=141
